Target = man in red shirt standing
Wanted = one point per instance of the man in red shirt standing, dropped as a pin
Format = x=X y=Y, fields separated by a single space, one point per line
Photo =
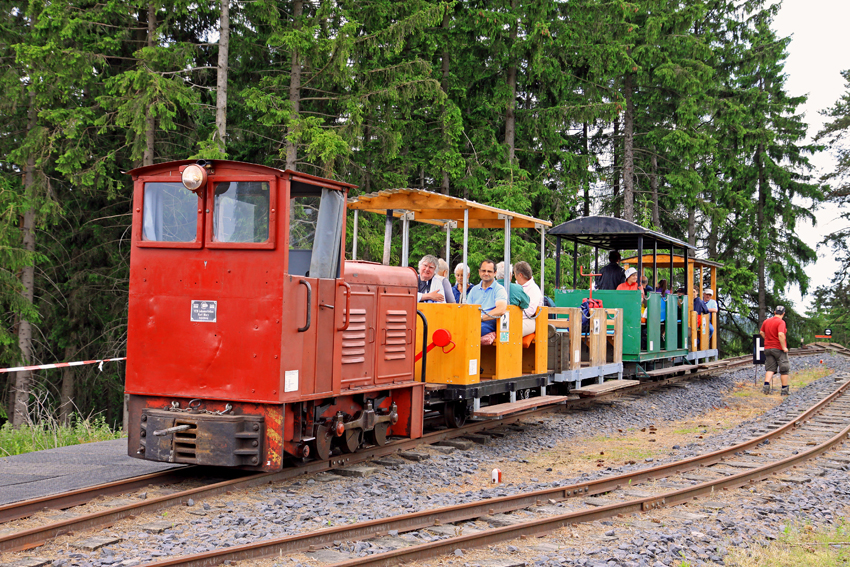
x=776 y=350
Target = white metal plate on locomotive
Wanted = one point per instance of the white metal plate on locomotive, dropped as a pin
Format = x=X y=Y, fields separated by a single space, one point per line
x=203 y=311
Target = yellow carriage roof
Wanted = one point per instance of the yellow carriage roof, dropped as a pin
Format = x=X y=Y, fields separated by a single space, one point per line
x=436 y=208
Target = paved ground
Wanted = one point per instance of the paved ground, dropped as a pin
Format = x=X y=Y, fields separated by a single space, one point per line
x=23 y=477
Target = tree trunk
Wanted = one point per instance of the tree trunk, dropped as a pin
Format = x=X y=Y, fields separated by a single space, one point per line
x=587 y=181
x=761 y=232
x=510 y=115
x=221 y=84
x=653 y=185
x=294 y=90
x=615 y=146
x=628 y=153
x=444 y=185
x=66 y=406
x=23 y=379
x=150 y=120
x=692 y=226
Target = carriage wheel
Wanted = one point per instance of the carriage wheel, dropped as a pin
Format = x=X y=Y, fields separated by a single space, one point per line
x=351 y=440
x=455 y=414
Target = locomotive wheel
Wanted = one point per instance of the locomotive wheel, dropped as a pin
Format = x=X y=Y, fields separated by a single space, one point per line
x=455 y=414
x=378 y=436
x=322 y=443
x=351 y=440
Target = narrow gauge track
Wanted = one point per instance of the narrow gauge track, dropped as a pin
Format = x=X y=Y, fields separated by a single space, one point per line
x=29 y=538
x=828 y=422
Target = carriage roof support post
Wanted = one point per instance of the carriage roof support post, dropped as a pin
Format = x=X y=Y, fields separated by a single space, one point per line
x=388 y=234
x=449 y=226
x=465 y=255
x=507 y=279
x=354 y=236
x=557 y=262
x=542 y=254
x=670 y=287
x=575 y=263
x=595 y=262
x=640 y=260
x=655 y=264
x=406 y=217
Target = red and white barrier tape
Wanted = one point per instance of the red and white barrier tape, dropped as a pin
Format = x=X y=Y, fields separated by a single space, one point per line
x=63 y=365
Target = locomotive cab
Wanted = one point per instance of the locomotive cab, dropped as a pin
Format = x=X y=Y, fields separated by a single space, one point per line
x=237 y=319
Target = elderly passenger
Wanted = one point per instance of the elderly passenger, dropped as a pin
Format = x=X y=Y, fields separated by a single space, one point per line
x=525 y=278
x=430 y=284
x=631 y=283
x=461 y=270
x=518 y=296
x=490 y=295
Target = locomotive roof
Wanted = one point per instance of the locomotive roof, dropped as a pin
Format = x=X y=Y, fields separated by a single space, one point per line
x=436 y=208
x=158 y=168
x=613 y=234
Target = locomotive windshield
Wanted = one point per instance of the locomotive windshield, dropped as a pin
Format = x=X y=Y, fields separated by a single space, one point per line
x=171 y=213
x=241 y=211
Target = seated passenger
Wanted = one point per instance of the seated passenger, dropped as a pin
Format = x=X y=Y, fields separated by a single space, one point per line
x=644 y=283
x=490 y=295
x=631 y=283
x=701 y=309
x=443 y=272
x=430 y=286
x=711 y=306
x=461 y=270
x=611 y=275
x=662 y=288
x=526 y=280
x=517 y=295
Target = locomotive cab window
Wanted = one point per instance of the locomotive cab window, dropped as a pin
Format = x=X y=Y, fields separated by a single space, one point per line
x=315 y=230
x=170 y=213
x=241 y=212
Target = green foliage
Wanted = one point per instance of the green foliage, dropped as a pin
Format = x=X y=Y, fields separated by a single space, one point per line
x=49 y=434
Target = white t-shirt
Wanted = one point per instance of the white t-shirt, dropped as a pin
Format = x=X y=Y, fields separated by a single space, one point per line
x=535 y=298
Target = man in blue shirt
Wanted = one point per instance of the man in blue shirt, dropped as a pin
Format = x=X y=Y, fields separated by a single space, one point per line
x=490 y=296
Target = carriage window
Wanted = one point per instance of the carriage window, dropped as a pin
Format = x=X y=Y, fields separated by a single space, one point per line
x=171 y=213
x=241 y=211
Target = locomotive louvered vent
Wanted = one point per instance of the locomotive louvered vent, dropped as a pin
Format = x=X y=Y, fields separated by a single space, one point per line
x=354 y=339
x=396 y=348
x=185 y=442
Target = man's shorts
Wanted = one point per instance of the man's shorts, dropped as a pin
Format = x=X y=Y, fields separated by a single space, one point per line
x=776 y=358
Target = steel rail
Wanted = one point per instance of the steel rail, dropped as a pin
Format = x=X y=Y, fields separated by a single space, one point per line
x=18 y=510
x=29 y=538
x=425 y=519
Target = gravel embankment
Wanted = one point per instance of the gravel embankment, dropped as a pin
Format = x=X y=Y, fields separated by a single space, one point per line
x=456 y=477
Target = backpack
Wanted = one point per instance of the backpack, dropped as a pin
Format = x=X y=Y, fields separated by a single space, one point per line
x=586 y=306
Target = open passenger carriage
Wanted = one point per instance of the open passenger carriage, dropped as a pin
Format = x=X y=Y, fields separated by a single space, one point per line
x=465 y=377
x=655 y=335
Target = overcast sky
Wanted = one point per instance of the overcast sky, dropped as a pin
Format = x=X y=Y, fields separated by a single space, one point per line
x=818 y=52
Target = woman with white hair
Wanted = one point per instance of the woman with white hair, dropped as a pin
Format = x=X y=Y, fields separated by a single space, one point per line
x=461 y=271
x=432 y=288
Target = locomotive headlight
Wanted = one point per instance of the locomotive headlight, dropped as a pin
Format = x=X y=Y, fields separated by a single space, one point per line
x=194 y=177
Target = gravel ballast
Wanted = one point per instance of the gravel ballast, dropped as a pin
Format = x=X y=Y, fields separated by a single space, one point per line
x=452 y=476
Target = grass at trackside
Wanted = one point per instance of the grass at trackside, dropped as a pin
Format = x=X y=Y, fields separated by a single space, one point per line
x=799 y=546
x=799 y=379
x=50 y=435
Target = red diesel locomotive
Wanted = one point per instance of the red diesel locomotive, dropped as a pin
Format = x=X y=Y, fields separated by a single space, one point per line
x=250 y=338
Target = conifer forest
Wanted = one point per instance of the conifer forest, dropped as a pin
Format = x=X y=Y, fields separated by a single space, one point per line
x=673 y=115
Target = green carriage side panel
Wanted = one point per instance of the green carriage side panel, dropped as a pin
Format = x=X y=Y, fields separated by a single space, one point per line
x=628 y=301
x=672 y=332
x=653 y=322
